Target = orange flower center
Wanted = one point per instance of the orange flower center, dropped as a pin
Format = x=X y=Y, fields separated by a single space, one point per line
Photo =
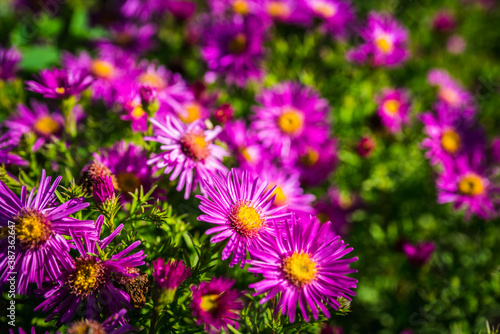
x=191 y=112
x=384 y=43
x=209 y=303
x=323 y=8
x=310 y=158
x=238 y=44
x=392 y=106
x=300 y=268
x=195 y=146
x=102 y=69
x=471 y=184
x=33 y=229
x=46 y=126
x=291 y=121
x=153 y=80
x=240 y=7
x=246 y=220
x=278 y=9
x=450 y=141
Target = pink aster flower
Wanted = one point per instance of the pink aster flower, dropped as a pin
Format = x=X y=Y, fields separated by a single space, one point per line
x=216 y=304
x=9 y=59
x=243 y=143
x=235 y=7
x=169 y=275
x=8 y=142
x=135 y=39
x=234 y=49
x=444 y=21
x=452 y=93
x=418 y=254
x=393 y=108
x=386 y=42
x=181 y=9
x=466 y=183
x=290 y=116
x=38 y=120
x=337 y=15
x=59 y=83
x=241 y=207
x=287 y=11
x=316 y=162
x=304 y=265
x=189 y=152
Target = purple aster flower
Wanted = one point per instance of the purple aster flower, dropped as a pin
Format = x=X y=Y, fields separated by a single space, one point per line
x=9 y=59
x=238 y=7
x=448 y=136
x=128 y=163
x=103 y=190
x=287 y=190
x=143 y=10
x=215 y=304
x=39 y=224
x=241 y=207
x=60 y=83
x=129 y=97
x=291 y=116
x=452 y=93
x=86 y=285
x=136 y=39
x=466 y=183
x=394 y=108
x=243 y=143
x=444 y=21
x=181 y=9
x=337 y=208
x=304 y=264
x=189 y=152
x=287 y=11
x=418 y=254
x=234 y=49
x=22 y=331
x=337 y=15
x=38 y=120
x=385 y=42
x=112 y=325
x=7 y=143
x=169 y=275
x=317 y=161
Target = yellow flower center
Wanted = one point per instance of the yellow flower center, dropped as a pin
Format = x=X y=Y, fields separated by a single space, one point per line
x=291 y=121
x=281 y=198
x=102 y=69
x=278 y=9
x=245 y=152
x=392 y=106
x=450 y=96
x=33 y=229
x=209 y=303
x=450 y=141
x=85 y=327
x=240 y=7
x=324 y=8
x=471 y=184
x=153 y=80
x=46 y=126
x=138 y=112
x=191 y=112
x=60 y=90
x=300 y=269
x=128 y=182
x=238 y=44
x=246 y=220
x=87 y=276
x=195 y=146
x=384 y=43
x=310 y=158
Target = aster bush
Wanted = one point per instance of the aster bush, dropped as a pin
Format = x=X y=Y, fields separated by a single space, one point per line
x=249 y=166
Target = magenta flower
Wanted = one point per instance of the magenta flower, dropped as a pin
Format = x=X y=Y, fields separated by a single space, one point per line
x=7 y=143
x=112 y=325
x=366 y=146
x=103 y=190
x=181 y=9
x=393 y=108
x=243 y=143
x=135 y=39
x=444 y=21
x=418 y=254
x=304 y=265
x=39 y=224
x=287 y=11
x=466 y=183
x=234 y=50
x=86 y=284
x=290 y=116
x=59 y=83
x=189 y=152
x=143 y=10
x=452 y=93
x=224 y=113
x=169 y=275
x=241 y=207
x=316 y=162
x=337 y=15
x=386 y=42
x=235 y=7
x=38 y=120
x=9 y=59
x=215 y=304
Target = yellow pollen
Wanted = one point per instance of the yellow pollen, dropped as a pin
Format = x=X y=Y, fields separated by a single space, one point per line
x=128 y=182
x=195 y=146
x=46 y=126
x=209 y=303
x=291 y=121
x=60 y=90
x=310 y=158
x=153 y=80
x=450 y=96
x=471 y=184
x=278 y=9
x=238 y=44
x=246 y=220
x=191 y=112
x=324 y=8
x=102 y=69
x=240 y=7
x=32 y=228
x=450 y=141
x=281 y=198
x=300 y=268
x=138 y=112
x=384 y=43
x=245 y=152
x=87 y=276
x=392 y=106
x=85 y=327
